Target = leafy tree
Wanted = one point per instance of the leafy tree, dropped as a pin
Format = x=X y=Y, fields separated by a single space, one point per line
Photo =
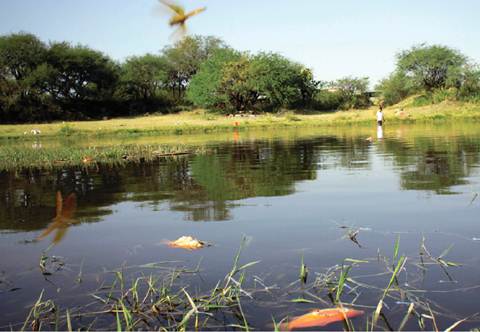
x=325 y=100
x=204 y=88
x=395 y=87
x=229 y=81
x=238 y=85
x=353 y=91
x=185 y=57
x=143 y=77
x=431 y=67
x=20 y=100
x=281 y=82
x=470 y=83
x=78 y=73
x=143 y=82
x=20 y=54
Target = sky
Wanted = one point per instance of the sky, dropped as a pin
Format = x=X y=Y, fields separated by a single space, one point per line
x=335 y=38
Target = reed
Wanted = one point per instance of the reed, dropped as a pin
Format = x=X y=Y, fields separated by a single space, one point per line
x=165 y=300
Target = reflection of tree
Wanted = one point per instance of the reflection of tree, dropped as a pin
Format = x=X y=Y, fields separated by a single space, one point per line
x=434 y=164
x=29 y=200
x=242 y=171
x=204 y=187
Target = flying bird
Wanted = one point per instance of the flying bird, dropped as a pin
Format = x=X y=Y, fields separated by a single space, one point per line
x=179 y=16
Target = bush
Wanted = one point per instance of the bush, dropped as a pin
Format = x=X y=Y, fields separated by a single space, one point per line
x=422 y=100
x=325 y=100
x=395 y=88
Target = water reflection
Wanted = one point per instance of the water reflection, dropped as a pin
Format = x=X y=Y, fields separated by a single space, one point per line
x=65 y=211
x=380 y=132
x=434 y=164
x=206 y=187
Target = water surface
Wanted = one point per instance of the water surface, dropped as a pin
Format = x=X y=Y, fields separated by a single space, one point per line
x=290 y=195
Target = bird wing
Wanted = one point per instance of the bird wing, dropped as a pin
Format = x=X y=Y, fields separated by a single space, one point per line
x=195 y=12
x=51 y=227
x=58 y=203
x=176 y=9
x=69 y=206
x=179 y=32
x=59 y=234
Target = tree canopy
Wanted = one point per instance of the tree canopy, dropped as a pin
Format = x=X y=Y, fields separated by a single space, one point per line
x=431 y=67
x=231 y=81
x=431 y=70
x=57 y=80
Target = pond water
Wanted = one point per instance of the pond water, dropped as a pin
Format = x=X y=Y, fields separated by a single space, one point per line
x=325 y=196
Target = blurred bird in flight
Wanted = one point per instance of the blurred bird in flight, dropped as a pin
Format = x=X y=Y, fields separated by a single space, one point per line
x=179 y=16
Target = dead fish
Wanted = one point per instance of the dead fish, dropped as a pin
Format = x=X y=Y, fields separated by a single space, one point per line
x=369 y=139
x=187 y=242
x=321 y=317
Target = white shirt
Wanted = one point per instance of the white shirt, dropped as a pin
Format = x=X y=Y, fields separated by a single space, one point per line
x=379 y=116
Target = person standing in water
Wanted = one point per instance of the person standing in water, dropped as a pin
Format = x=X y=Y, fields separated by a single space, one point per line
x=380 y=121
x=380 y=117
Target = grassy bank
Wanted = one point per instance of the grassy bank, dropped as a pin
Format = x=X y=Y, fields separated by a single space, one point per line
x=200 y=121
x=88 y=151
x=18 y=157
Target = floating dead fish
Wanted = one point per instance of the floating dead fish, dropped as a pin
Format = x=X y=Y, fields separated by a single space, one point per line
x=187 y=242
x=321 y=317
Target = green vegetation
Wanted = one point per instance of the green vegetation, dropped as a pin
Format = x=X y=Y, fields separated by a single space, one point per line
x=18 y=156
x=434 y=73
x=201 y=121
x=161 y=298
x=43 y=83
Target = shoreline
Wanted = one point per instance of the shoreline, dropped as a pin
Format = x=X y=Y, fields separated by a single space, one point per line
x=89 y=151
x=202 y=122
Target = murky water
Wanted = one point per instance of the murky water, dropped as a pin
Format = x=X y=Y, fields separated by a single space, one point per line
x=289 y=196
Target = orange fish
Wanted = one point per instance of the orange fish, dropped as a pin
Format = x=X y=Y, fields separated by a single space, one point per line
x=321 y=317
x=187 y=242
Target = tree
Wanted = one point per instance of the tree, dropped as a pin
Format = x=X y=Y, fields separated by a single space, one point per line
x=353 y=91
x=238 y=85
x=143 y=77
x=395 y=87
x=75 y=74
x=185 y=57
x=20 y=54
x=281 y=82
x=20 y=99
x=229 y=80
x=143 y=83
x=431 y=67
x=204 y=87
x=470 y=83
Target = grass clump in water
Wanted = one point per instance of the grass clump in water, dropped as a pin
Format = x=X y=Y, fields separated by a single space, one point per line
x=165 y=300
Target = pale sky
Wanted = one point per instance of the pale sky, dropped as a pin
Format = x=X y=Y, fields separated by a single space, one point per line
x=334 y=38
